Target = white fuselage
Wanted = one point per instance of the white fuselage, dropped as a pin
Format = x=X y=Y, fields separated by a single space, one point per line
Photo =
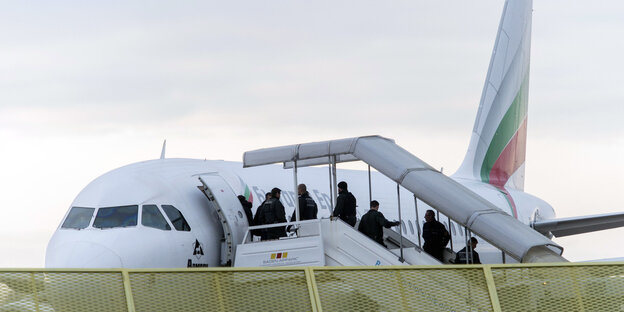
x=174 y=182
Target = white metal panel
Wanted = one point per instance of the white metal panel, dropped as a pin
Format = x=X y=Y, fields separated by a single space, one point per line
x=346 y=246
x=315 y=151
x=267 y=156
x=320 y=161
x=229 y=210
x=387 y=157
x=304 y=251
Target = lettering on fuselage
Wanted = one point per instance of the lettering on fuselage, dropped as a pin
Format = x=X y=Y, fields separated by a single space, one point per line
x=191 y=264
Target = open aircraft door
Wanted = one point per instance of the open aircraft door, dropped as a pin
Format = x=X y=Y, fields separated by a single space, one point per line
x=225 y=203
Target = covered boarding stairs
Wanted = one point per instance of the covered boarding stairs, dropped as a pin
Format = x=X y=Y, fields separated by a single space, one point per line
x=426 y=183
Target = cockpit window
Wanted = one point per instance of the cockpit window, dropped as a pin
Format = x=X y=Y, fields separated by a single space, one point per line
x=111 y=217
x=78 y=218
x=176 y=217
x=151 y=217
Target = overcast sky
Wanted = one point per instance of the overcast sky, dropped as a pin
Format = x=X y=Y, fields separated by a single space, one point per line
x=89 y=86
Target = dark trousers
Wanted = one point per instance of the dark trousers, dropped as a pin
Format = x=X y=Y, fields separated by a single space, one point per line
x=350 y=220
x=434 y=251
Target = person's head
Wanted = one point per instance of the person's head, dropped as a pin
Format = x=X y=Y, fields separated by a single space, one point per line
x=342 y=186
x=473 y=242
x=276 y=193
x=429 y=215
x=267 y=196
x=242 y=198
x=374 y=205
x=301 y=189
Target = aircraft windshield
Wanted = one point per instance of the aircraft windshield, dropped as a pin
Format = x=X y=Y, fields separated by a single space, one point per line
x=176 y=217
x=78 y=218
x=151 y=217
x=111 y=217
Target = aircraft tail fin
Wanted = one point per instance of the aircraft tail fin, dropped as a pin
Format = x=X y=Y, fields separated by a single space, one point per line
x=497 y=147
x=164 y=148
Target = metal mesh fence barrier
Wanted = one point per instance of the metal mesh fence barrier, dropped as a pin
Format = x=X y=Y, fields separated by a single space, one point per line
x=561 y=288
x=221 y=291
x=535 y=287
x=62 y=291
x=403 y=289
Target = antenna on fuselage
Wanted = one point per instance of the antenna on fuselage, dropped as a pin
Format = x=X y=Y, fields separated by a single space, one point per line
x=162 y=153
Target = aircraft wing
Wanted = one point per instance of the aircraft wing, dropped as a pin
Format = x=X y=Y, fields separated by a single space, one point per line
x=606 y=260
x=578 y=225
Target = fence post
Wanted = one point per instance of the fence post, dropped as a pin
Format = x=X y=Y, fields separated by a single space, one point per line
x=314 y=296
x=34 y=290
x=128 y=290
x=489 y=278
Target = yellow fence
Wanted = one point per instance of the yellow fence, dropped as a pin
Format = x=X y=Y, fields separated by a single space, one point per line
x=536 y=287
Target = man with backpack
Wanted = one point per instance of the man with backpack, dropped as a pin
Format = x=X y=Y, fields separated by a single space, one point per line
x=271 y=212
x=307 y=205
x=436 y=236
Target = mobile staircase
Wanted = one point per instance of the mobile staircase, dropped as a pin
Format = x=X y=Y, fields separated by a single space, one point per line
x=336 y=244
x=325 y=242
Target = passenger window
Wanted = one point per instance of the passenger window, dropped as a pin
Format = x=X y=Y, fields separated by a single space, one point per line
x=453 y=229
x=78 y=218
x=176 y=217
x=403 y=227
x=111 y=217
x=411 y=226
x=151 y=217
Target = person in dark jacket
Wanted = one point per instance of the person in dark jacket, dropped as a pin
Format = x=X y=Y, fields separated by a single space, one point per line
x=435 y=235
x=247 y=208
x=307 y=205
x=270 y=213
x=372 y=222
x=463 y=257
x=258 y=215
x=345 y=205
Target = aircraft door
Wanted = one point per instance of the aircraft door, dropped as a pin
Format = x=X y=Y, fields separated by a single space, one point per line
x=230 y=211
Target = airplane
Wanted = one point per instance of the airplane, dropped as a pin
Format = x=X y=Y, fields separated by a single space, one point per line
x=157 y=213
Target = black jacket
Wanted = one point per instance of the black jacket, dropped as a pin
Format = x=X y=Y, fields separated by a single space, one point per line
x=371 y=225
x=460 y=257
x=259 y=214
x=247 y=208
x=434 y=233
x=307 y=208
x=271 y=212
x=345 y=207
x=436 y=237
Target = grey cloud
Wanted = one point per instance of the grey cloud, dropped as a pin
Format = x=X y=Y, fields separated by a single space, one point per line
x=146 y=64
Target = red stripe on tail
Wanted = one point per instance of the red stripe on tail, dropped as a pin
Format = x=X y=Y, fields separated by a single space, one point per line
x=511 y=158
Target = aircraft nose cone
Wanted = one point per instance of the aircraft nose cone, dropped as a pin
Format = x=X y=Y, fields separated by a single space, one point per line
x=82 y=255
